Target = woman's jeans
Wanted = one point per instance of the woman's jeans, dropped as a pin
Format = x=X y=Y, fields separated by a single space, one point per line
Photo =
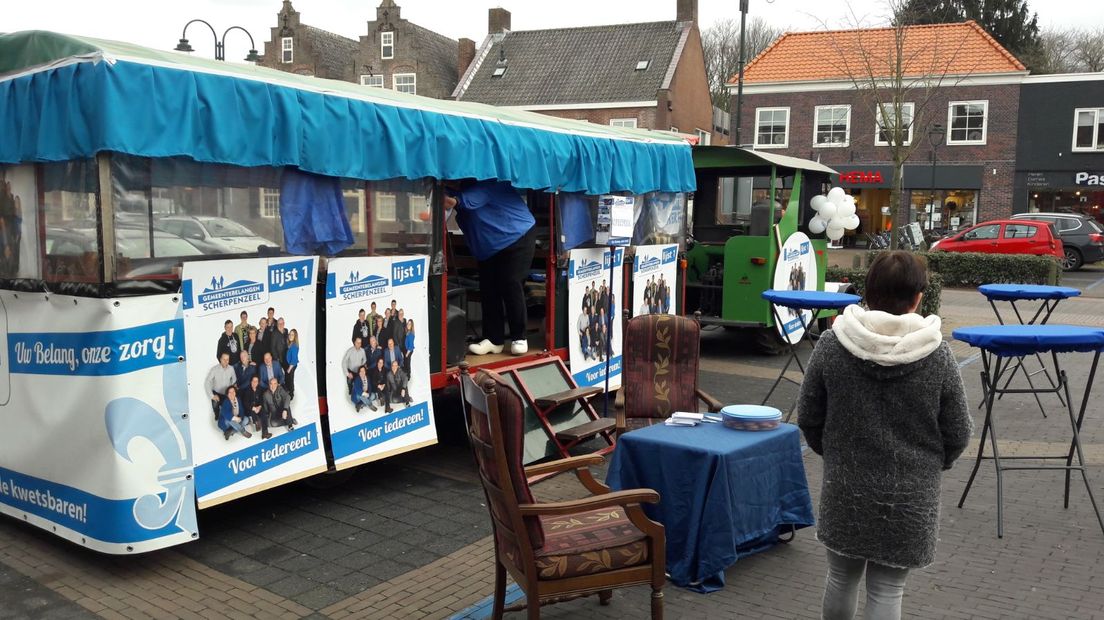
x=884 y=588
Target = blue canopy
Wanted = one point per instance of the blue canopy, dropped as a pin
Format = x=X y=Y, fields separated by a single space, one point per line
x=65 y=98
x=1019 y=340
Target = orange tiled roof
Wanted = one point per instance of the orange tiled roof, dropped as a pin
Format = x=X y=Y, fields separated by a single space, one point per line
x=961 y=49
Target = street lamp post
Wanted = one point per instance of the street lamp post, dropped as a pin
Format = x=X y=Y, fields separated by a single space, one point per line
x=740 y=72
x=935 y=136
x=220 y=44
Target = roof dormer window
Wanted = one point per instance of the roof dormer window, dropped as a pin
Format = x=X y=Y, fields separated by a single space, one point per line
x=387 y=45
x=643 y=65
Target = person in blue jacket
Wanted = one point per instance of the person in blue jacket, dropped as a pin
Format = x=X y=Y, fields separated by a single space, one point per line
x=408 y=346
x=232 y=415
x=292 y=362
x=363 y=390
x=270 y=369
x=501 y=233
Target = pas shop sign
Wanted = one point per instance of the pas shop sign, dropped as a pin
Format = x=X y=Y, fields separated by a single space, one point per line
x=1088 y=178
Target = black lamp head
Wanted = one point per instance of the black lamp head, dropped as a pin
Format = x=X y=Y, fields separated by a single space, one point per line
x=253 y=56
x=183 y=46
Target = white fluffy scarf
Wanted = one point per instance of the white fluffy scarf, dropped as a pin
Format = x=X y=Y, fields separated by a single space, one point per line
x=887 y=339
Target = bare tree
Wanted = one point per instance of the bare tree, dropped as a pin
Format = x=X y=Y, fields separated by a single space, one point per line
x=1088 y=49
x=721 y=45
x=897 y=73
x=1055 y=52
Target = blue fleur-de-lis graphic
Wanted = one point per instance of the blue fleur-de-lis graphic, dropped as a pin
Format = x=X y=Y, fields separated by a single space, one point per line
x=128 y=419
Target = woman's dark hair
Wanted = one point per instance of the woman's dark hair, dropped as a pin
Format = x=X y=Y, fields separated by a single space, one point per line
x=893 y=281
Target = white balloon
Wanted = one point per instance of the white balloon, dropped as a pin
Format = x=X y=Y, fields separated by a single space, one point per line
x=828 y=211
x=817 y=202
x=847 y=209
x=836 y=194
x=852 y=222
x=817 y=225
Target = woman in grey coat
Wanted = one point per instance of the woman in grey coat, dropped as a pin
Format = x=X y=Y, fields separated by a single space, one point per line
x=883 y=403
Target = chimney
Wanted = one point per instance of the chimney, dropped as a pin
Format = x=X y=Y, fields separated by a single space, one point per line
x=687 y=11
x=465 y=56
x=498 y=21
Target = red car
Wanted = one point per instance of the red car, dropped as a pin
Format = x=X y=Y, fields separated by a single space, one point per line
x=1005 y=237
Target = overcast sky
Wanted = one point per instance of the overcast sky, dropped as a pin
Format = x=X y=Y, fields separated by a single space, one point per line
x=157 y=23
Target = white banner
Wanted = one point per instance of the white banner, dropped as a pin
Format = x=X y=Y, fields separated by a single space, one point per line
x=594 y=332
x=96 y=443
x=272 y=436
x=654 y=273
x=377 y=357
x=796 y=270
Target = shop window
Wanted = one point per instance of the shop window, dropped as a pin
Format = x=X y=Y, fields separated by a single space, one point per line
x=375 y=81
x=623 y=122
x=1088 y=129
x=991 y=231
x=968 y=121
x=772 y=127
x=832 y=126
x=19 y=257
x=405 y=83
x=387 y=45
x=287 y=50
x=70 y=205
x=885 y=129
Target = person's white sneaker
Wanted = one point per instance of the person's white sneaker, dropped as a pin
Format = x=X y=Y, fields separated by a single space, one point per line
x=484 y=347
x=519 y=347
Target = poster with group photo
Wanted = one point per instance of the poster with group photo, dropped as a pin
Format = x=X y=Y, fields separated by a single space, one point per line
x=594 y=330
x=796 y=270
x=654 y=273
x=377 y=357
x=252 y=382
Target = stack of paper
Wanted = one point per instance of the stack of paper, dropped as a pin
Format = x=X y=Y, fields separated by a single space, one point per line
x=684 y=418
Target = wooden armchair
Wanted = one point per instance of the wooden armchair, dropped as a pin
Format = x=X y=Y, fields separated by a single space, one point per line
x=661 y=371
x=560 y=550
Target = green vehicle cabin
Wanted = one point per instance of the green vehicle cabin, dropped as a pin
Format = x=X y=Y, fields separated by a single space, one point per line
x=737 y=229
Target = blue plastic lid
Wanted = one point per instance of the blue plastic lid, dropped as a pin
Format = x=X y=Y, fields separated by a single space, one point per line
x=751 y=412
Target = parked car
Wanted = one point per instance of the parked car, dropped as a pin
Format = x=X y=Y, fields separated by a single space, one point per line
x=1005 y=237
x=213 y=235
x=1082 y=236
x=74 y=252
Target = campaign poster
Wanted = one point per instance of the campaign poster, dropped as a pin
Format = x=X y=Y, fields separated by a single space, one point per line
x=654 y=273
x=796 y=270
x=594 y=341
x=252 y=383
x=93 y=398
x=377 y=358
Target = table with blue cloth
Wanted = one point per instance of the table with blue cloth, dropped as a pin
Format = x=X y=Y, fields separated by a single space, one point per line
x=724 y=494
x=798 y=301
x=1001 y=346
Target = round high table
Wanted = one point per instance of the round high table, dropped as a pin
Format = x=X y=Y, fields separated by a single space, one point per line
x=801 y=300
x=1048 y=298
x=1001 y=346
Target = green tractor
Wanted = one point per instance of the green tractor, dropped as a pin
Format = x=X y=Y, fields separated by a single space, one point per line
x=747 y=205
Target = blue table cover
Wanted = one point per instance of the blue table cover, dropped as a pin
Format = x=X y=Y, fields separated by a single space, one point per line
x=810 y=300
x=1016 y=292
x=1020 y=340
x=724 y=494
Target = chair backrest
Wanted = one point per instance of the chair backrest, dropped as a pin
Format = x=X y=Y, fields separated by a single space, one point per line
x=661 y=365
x=494 y=415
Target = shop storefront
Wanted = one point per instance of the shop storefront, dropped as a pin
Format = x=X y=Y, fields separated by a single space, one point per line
x=942 y=199
x=1075 y=191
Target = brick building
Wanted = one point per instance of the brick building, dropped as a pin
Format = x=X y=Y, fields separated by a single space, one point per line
x=393 y=53
x=962 y=112
x=647 y=75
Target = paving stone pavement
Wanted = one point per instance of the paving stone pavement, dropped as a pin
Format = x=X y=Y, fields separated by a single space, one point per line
x=409 y=537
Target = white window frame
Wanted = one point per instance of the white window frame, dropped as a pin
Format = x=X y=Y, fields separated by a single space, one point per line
x=382 y=213
x=878 y=123
x=704 y=137
x=287 y=50
x=984 y=122
x=846 y=132
x=270 y=203
x=413 y=84
x=387 y=45
x=1098 y=140
x=623 y=122
x=785 y=134
x=372 y=81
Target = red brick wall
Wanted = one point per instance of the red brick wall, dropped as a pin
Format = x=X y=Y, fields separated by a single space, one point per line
x=645 y=117
x=998 y=153
x=691 y=107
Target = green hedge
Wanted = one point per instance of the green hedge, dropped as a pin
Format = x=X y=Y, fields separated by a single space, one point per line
x=928 y=305
x=970 y=269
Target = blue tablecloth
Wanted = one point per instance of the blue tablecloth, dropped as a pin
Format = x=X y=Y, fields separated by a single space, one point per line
x=1020 y=340
x=724 y=493
x=1016 y=292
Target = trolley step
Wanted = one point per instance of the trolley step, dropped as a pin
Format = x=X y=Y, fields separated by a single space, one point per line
x=590 y=429
x=551 y=401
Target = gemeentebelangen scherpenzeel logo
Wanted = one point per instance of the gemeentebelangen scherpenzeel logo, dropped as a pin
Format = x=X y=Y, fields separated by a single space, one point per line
x=588 y=269
x=357 y=286
x=221 y=294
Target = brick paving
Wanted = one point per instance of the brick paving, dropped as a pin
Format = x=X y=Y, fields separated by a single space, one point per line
x=409 y=537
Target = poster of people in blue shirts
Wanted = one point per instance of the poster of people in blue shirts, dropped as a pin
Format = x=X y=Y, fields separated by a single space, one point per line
x=252 y=384
x=93 y=396
x=654 y=273
x=594 y=329
x=377 y=361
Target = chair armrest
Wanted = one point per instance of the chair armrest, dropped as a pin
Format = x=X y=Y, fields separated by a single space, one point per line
x=713 y=404
x=619 y=411
x=616 y=498
x=562 y=465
